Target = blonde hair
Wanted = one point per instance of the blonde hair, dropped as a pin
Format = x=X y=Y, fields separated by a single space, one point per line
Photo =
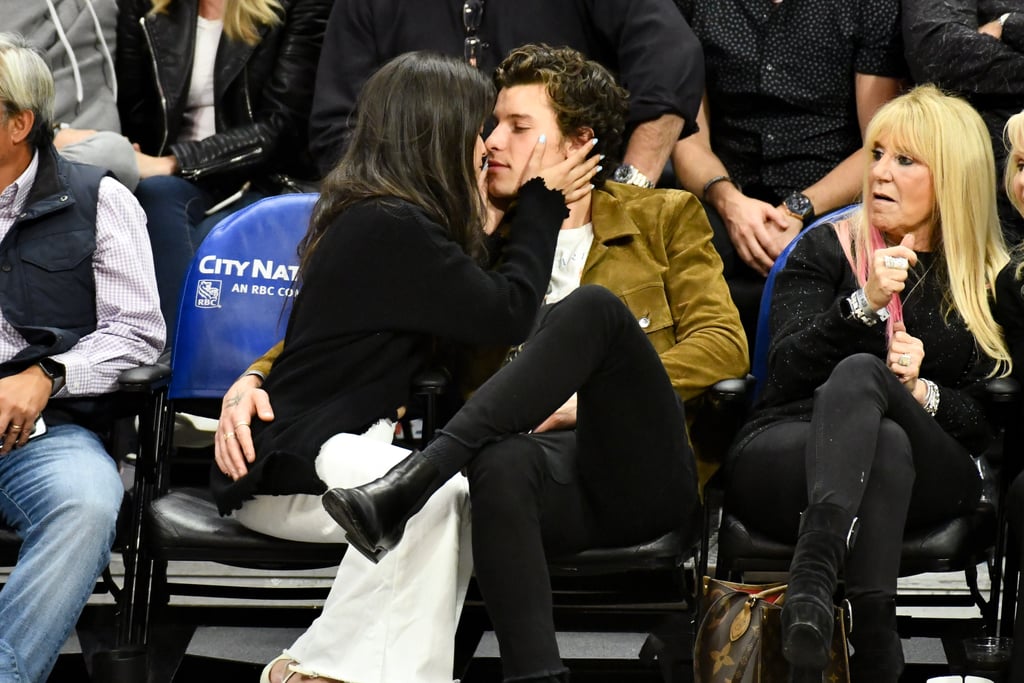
x=949 y=137
x=1014 y=136
x=242 y=18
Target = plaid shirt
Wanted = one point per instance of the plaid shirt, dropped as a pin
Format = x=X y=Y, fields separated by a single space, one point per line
x=129 y=328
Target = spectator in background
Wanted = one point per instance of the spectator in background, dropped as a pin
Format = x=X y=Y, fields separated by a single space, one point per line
x=974 y=48
x=217 y=96
x=77 y=40
x=88 y=304
x=1010 y=314
x=791 y=86
x=645 y=42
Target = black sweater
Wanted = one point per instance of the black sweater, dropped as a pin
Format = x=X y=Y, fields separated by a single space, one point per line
x=384 y=283
x=1009 y=313
x=809 y=336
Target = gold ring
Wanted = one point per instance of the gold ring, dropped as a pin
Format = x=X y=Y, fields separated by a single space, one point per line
x=241 y=424
x=229 y=435
x=903 y=360
x=15 y=428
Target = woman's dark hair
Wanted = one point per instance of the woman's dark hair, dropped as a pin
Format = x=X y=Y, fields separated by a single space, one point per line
x=417 y=122
x=583 y=94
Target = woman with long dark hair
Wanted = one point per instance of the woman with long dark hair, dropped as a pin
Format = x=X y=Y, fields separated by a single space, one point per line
x=390 y=275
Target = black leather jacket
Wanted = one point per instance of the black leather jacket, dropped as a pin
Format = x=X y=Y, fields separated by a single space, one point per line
x=262 y=98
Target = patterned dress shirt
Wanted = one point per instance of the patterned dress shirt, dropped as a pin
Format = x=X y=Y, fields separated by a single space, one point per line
x=129 y=328
x=782 y=109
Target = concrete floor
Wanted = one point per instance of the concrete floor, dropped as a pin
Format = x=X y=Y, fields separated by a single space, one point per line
x=238 y=652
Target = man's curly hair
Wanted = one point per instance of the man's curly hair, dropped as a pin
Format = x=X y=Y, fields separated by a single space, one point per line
x=583 y=94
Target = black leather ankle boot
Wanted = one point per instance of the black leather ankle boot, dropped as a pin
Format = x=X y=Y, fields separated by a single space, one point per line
x=807 y=613
x=878 y=652
x=374 y=515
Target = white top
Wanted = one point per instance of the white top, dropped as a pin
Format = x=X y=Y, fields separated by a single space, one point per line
x=570 y=256
x=200 y=121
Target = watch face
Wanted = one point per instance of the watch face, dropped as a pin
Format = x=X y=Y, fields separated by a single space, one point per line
x=799 y=204
x=623 y=174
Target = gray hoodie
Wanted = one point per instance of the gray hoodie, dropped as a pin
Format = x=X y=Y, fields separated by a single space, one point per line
x=77 y=38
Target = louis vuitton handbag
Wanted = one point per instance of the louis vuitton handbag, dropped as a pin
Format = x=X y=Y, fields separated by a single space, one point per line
x=739 y=639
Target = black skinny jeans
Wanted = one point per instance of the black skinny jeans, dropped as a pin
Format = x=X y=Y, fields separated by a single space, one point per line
x=626 y=475
x=870 y=448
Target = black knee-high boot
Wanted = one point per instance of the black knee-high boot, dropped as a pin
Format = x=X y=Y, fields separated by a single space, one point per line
x=878 y=653
x=374 y=515
x=826 y=532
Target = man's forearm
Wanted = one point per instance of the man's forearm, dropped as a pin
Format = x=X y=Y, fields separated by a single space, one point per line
x=840 y=186
x=651 y=143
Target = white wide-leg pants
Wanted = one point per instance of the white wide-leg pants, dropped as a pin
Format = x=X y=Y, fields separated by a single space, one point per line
x=393 y=622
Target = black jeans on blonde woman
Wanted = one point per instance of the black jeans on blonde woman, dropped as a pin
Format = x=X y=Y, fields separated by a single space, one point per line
x=870 y=451
x=628 y=475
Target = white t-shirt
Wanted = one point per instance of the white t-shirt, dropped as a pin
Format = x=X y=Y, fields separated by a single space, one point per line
x=570 y=256
x=200 y=120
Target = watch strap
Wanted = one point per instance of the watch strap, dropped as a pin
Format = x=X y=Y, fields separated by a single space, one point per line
x=631 y=175
x=55 y=371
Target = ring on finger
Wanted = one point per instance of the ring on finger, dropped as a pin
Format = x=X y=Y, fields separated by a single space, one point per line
x=896 y=262
x=15 y=428
x=241 y=424
x=229 y=435
x=903 y=360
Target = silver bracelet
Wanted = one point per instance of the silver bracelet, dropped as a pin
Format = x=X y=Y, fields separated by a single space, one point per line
x=861 y=309
x=931 y=396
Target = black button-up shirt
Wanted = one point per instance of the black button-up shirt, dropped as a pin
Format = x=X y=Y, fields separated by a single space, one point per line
x=945 y=48
x=780 y=82
x=646 y=43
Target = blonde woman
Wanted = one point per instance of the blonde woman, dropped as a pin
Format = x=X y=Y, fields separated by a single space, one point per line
x=1010 y=313
x=882 y=339
x=216 y=94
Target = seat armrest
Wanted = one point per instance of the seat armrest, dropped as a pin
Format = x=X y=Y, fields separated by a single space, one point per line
x=432 y=381
x=732 y=389
x=719 y=416
x=144 y=378
x=1003 y=390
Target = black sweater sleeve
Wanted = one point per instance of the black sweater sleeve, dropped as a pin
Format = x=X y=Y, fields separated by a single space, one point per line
x=809 y=335
x=943 y=46
x=410 y=276
x=1009 y=312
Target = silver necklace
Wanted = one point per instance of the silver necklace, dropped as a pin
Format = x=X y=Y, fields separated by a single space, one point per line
x=918 y=283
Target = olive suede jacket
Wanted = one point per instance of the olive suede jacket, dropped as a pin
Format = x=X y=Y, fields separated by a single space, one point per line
x=653 y=249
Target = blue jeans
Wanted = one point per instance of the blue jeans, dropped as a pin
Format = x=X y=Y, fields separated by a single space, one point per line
x=177 y=221
x=61 y=492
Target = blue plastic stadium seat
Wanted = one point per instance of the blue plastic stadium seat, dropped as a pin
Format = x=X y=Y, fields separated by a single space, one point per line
x=237 y=295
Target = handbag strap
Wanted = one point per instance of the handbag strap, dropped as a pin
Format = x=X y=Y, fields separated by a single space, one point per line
x=767 y=593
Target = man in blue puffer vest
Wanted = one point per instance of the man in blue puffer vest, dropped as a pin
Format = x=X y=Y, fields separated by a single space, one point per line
x=78 y=304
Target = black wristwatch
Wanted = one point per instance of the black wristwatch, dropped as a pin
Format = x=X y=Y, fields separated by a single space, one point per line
x=799 y=206
x=55 y=371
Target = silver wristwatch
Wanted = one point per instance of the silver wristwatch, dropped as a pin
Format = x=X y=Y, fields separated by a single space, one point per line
x=630 y=175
